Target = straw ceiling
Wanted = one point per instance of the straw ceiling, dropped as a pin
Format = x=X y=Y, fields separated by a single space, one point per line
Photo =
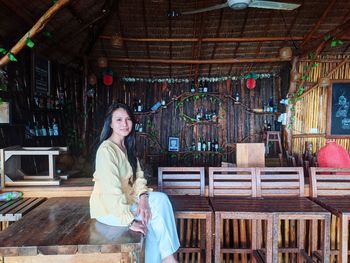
x=85 y=28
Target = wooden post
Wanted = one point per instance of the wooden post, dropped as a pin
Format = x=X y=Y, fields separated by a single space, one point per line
x=39 y=25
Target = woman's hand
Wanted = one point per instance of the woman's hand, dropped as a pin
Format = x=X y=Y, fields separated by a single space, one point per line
x=138 y=226
x=144 y=210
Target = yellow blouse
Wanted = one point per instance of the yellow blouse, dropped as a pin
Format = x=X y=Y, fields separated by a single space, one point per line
x=112 y=193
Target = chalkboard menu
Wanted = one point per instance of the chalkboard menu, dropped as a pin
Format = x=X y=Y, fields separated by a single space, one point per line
x=338 y=114
x=41 y=75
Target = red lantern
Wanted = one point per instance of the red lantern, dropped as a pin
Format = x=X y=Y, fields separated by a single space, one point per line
x=251 y=83
x=107 y=78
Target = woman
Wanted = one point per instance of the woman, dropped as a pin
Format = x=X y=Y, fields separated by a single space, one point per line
x=120 y=196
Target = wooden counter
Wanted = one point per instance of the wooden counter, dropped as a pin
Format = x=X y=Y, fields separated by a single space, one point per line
x=60 y=230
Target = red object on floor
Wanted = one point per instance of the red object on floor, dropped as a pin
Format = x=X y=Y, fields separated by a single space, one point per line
x=333 y=155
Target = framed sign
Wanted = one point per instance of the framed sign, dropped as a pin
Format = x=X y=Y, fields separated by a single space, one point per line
x=174 y=144
x=338 y=106
x=5 y=112
x=41 y=74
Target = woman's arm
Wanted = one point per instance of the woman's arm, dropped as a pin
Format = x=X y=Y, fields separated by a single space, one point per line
x=112 y=196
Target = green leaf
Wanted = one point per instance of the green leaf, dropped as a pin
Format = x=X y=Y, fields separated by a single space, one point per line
x=29 y=43
x=327 y=37
x=334 y=43
x=315 y=65
x=12 y=56
x=3 y=51
x=340 y=42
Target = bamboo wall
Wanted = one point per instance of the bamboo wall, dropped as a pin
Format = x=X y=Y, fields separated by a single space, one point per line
x=311 y=111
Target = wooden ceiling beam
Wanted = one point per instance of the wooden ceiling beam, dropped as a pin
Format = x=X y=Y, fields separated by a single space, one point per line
x=204 y=61
x=216 y=35
x=317 y=46
x=222 y=39
x=319 y=22
x=146 y=33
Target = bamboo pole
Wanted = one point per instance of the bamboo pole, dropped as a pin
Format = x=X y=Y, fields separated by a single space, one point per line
x=38 y=26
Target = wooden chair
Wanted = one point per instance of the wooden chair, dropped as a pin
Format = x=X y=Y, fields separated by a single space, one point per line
x=282 y=190
x=232 y=193
x=186 y=188
x=330 y=187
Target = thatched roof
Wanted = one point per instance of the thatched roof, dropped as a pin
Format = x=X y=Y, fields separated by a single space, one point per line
x=85 y=28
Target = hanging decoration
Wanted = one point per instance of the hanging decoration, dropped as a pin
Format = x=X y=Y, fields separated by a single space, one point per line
x=102 y=62
x=117 y=41
x=92 y=80
x=186 y=80
x=107 y=77
x=286 y=53
x=251 y=80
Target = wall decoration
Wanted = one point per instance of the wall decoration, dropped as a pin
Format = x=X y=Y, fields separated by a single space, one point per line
x=174 y=144
x=338 y=114
x=5 y=112
x=41 y=74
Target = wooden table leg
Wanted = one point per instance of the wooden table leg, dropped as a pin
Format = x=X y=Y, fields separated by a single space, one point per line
x=301 y=239
x=343 y=246
x=274 y=241
x=326 y=239
x=209 y=236
x=218 y=222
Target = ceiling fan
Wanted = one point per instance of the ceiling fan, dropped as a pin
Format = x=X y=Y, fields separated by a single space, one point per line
x=241 y=4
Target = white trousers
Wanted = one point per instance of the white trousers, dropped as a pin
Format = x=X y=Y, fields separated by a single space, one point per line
x=162 y=239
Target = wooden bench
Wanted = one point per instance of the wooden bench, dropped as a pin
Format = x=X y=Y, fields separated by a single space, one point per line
x=185 y=187
x=14 y=210
x=60 y=231
x=330 y=187
x=283 y=191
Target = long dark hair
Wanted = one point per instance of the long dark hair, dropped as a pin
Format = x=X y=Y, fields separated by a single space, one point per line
x=129 y=140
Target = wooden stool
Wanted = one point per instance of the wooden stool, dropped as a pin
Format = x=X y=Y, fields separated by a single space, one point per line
x=273 y=136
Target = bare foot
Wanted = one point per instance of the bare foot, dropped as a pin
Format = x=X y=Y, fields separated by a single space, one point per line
x=170 y=259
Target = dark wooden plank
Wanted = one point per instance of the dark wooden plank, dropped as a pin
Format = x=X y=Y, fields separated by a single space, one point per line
x=190 y=203
x=63 y=225
x=265 y=205
x=336 y=204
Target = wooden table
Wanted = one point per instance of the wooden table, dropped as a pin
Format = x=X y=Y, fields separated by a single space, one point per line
x=14 y=210
x=196 y=207
x=60 y=230
x=339 y=206
x=12 y=174
x=271 y=209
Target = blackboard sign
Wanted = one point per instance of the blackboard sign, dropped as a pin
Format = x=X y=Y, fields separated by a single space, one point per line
x=41 y=75
x=338 y=109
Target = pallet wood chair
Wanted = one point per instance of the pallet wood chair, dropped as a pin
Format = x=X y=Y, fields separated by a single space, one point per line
x=330 y=187
x=282 y=189
x=186 y=189
x=232 y=193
